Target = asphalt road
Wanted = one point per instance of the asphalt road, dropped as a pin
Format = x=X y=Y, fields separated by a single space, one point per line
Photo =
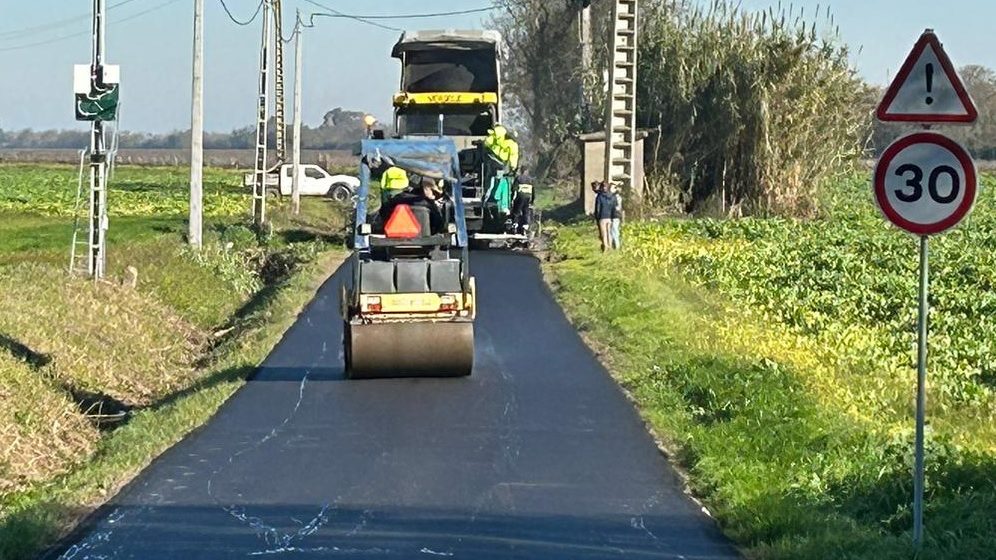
x=536 y=455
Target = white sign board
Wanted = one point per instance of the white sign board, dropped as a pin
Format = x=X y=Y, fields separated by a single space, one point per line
x=927 y=88
x=925 y=183
x=81 y=77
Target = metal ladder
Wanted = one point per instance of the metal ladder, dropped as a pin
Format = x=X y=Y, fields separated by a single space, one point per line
x=79 y=251
x=260 y=171
x=620 y=121
x=278 y=62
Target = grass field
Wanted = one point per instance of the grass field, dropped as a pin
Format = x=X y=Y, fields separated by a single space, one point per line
x=96 y=379
x=777 y=359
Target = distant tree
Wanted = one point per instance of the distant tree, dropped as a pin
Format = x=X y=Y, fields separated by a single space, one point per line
x=980 y=138
x=543 y=79
x=340 y=130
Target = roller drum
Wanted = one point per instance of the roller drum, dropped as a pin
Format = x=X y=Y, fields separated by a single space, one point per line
x=414 y=349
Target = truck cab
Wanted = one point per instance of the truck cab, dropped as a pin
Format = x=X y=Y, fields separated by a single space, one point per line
x=315 y=181
x=450 y=84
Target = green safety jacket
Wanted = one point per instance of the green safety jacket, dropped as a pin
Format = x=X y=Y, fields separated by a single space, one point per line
x=394 y=180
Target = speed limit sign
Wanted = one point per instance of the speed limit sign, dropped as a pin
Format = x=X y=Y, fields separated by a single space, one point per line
x=925 y=183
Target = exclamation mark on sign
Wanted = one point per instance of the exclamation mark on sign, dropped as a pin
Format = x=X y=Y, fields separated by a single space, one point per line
x=930 y=83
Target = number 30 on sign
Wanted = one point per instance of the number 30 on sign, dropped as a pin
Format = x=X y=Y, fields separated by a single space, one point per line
x=925 y=183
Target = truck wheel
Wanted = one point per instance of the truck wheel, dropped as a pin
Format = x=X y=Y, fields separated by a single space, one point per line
x=340 y=192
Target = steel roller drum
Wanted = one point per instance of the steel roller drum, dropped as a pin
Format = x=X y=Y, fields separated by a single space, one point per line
x=414 y=349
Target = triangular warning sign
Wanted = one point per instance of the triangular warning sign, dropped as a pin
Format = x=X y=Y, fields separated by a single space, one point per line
x=927 y=88
x=402 y=224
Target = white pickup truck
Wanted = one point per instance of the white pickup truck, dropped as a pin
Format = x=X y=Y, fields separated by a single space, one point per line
x=315 y=181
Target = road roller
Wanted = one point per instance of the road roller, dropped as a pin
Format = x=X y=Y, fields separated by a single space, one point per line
x=410 y=303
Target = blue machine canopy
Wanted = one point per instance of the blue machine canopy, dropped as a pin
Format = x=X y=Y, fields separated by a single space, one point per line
x=429 y=157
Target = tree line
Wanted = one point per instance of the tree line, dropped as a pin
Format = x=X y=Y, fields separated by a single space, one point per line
x=339 y=130
x=748 y=112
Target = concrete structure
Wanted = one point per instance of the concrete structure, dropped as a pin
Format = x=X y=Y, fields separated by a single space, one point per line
x=593 y=165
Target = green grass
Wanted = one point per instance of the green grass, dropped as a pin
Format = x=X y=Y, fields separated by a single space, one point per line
x=776 y=358
x=36 y=517
x=168 y=352
x=50 y=190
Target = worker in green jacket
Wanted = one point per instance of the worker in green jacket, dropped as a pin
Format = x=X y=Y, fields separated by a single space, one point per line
x=510 y=151
x=392 y=183
x=493 y=140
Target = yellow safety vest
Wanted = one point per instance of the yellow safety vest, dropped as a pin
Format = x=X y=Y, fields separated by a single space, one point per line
x=495 y=142
x=511 y=153
x=394 y=180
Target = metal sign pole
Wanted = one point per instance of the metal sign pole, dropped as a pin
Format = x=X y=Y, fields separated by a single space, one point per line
x=921 y=154
x=921 y=399
x=98 y=178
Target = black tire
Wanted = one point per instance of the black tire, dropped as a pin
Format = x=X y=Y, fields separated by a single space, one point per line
x=347 y=353
x=341 y=193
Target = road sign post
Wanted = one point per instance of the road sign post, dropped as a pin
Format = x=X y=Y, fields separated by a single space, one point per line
x=925 y=184
x=921 y=397
x=96 y=90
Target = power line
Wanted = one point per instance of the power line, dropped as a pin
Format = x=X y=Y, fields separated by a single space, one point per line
x=64 y=37
x=337 y=13
x=418 y=16
x=236 y=20
x=18 y=33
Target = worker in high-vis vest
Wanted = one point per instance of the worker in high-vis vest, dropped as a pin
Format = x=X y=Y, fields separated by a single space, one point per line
x=522 y=209
x=392 y=183
x=510 y=151
x=493 y=141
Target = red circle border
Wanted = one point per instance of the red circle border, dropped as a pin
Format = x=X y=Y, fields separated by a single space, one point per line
x=967 y=164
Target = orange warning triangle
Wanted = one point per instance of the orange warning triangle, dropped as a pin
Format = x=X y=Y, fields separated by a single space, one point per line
x=402 y=224
x=927 y=88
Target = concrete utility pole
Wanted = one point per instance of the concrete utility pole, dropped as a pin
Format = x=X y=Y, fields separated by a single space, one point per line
x=195 y=228
x=620 y=118
x=97 y=260
x=260 y=172
x=298 y=46
x=584 y=36
x=278 y=85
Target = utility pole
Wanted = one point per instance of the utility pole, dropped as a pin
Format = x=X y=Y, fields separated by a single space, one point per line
x=97 y=260
x=259 y=182
x=195 y=228
x=584 y=35
x=278 y=86
x=298 y=55
x=620 y=118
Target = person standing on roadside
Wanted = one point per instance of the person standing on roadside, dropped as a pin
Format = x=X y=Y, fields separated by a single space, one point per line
x=617 y=217
x=605 y=203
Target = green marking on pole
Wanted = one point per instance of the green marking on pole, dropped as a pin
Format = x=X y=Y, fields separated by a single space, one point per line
x=98 y=105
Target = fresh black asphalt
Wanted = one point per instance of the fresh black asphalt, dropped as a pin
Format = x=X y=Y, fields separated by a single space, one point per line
x=537 y=455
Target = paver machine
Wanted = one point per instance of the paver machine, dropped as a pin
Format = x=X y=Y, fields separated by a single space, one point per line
x=410 y=304
x=451 y=87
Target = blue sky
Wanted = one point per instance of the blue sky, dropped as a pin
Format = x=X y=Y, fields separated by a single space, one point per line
x=347 y=63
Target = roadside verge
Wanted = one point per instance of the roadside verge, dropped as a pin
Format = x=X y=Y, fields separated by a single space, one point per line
x=38 y=516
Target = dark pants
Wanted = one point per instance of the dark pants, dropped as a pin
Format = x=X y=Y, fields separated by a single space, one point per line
x=522 y=211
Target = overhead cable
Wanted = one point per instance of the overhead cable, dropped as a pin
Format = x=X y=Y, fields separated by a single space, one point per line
x=237 y=21
x=18 y=33
x=88 y=32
